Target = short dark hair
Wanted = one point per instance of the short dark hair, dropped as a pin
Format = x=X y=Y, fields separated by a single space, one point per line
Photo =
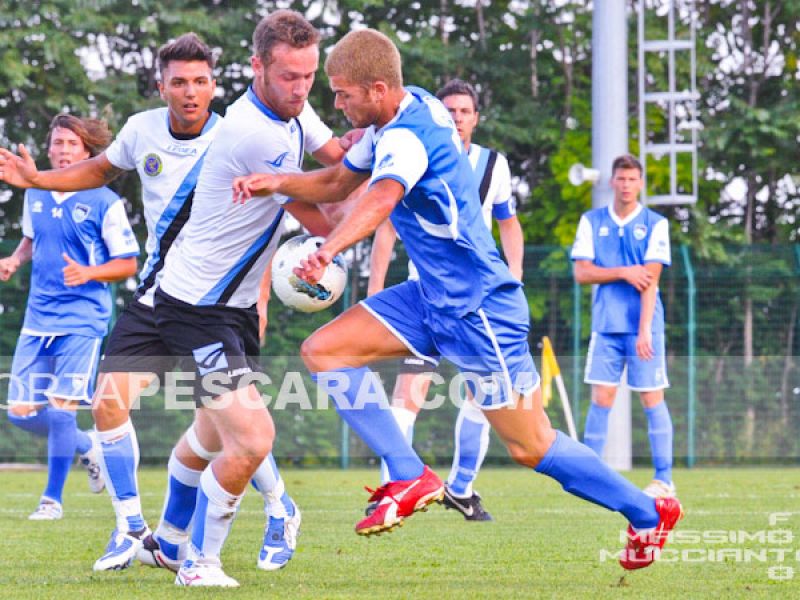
x=458 y=87
x=94 y=133
x=188 y=47
x=282 y=26
x=626 y=161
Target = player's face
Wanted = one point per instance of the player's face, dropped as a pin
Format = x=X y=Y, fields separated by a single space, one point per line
x=627 y=183
x=66 y=148
x=360 y=104
x=187 y=86
x=464 y=115
x=284 y=84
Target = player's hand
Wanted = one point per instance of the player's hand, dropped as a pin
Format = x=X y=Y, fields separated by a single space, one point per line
x=8 y=266
x=19 y=171
x=644 y=345
x=313 y=268
x=351 y=138
x=639 y=277
x=257 y=184
x=75 y=274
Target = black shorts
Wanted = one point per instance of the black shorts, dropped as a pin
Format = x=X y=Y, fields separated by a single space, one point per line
x=219 y=343
x=134 y=344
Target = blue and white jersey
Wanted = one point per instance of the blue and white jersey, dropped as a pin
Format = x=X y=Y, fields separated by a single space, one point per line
x=609 y=241
x=226 y=246
x=494 y=183
x=439 y=218
x=168 y=168
x=90 y=227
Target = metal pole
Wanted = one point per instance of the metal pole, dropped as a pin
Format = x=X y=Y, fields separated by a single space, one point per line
x=691 y=332
x=576 y=349
x=609 y=140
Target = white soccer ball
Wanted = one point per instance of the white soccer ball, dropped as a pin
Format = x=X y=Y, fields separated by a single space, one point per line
x=297 y=293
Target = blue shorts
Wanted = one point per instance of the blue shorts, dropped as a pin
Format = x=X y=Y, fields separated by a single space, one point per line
x=61 y=366
x=610 y=352
x=489 y=346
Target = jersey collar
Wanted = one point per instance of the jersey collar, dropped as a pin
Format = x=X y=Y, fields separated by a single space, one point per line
x=61 y=197
x=404 y=104
x=251 y=95
x=622 y=222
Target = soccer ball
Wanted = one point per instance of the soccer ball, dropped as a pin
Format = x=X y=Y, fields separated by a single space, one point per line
x=297 y=293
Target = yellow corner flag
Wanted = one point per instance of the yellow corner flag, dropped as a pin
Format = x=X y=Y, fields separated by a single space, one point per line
x=549 y=370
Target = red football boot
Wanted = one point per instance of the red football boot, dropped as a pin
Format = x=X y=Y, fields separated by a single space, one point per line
x=644 y=547
x=397 y=500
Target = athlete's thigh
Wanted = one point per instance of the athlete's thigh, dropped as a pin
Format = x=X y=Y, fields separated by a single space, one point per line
x=389 y=324
x=31 y=371
x=241 y=419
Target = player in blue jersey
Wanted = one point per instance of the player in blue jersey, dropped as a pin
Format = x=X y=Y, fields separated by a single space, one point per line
x=623 y=247
x=413 y=380
x=78 y=243
x=466 y=305
x=166 y=147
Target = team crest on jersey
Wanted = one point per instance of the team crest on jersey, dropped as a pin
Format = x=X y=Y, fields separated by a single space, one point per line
x=640 y=231
x=37 y=206
x=80 y=212
x=153 y=164
x=603 y=231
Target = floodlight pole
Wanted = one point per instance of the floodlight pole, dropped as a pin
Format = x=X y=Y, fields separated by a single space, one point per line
x=609 y=140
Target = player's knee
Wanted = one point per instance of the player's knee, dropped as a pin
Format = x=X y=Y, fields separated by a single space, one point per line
x=20 y=411
x=311 y=351
x=529 y=452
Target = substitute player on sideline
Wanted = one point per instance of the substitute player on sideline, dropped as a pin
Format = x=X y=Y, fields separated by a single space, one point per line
x=623 y=247
x=466 y=305
x=166 y=146
x=205 y=303
x=494 y=186
x=78 y=242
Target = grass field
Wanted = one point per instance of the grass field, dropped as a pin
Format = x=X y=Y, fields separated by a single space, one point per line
x=543 y=543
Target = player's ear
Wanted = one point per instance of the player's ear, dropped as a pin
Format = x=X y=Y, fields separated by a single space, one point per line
x=160 y=85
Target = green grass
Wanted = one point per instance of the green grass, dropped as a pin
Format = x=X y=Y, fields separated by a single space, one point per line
x=543 y=543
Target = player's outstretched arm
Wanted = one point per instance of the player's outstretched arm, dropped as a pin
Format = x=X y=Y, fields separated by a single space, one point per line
x=21 y=171
x=112 y=270
x=264 y=292
x=331 y=184
x=381 y=256
x=22 y=254
x=371 y=209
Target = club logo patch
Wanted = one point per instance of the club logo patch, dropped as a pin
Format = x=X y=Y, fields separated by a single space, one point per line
x=640 y=231
x=210 y=358
x=37 y=206
x=80 y=212
x=153 y=164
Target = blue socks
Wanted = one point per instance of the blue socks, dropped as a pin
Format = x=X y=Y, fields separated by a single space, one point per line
x=119 y=459
x=60 y=427
x=596 y=430
x=361 y=401
x=37 y=423
x=581 y=473
x=659 y=430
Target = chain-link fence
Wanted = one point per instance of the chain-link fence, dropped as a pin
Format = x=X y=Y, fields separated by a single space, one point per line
x=732 y=345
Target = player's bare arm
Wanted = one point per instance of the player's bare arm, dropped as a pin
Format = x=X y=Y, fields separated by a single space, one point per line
x=512 y=241
x=371 y=209
x=264 y=292
x=20 y=171
x=113 y=270
x=586 y=272
x=22 y=254
x=310 y=217
x=644 y=341
x=332 y=184
x=380 y=257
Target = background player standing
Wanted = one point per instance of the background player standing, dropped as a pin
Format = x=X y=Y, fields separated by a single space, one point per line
x=78 y=242
x=623 y=248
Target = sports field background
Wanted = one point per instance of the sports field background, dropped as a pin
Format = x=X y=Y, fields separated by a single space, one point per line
x=543 y=543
